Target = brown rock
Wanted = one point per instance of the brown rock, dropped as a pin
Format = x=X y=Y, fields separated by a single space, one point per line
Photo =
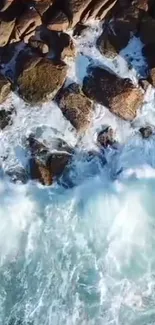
x=5 y=88
x=105 y=10
x=75 y=106
x=6 y=29
x=41 y=82
x=119 y=95
x=45 y=166
x=79 y=28
x=27 y=23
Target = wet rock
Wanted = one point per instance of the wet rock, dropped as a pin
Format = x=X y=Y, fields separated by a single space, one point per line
x=120 y=96
x=45 y=166
x=18 y=175
x=75 y=106
x=146 y=132
x=98 y=9
x=5 y=88
x=6 y=117
x=40 y=46
x=105 y=137
x=42 y=81
x=79 y=28
x=60 y=44
x=6 y=29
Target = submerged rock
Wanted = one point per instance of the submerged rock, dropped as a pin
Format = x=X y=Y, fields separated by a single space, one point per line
x=105 y=137
x=42 y=81
x=146 y=132
x=119 y=95
x=44 y=165
x=75 y=106
x=6 y=117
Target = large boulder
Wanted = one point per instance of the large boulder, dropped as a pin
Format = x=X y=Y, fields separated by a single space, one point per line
x=120 y=96
x=75 y=106
x=42 y=5
x=5 y=88
x=45 y=166
x=42 y=81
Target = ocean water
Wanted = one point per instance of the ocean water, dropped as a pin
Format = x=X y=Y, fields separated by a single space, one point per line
x=80 y=256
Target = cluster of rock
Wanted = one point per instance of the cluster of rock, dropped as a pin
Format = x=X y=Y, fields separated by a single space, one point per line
x=33 y=36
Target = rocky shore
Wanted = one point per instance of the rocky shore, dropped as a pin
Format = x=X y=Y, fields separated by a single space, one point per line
x=37 y=37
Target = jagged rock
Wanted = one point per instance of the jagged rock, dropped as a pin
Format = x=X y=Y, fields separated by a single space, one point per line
x=45 y=166
x=146 y=132
x=18 y=175
x=42 y=81
x=6 y=29
x=75 y=106
x=26 y=24
x=105 y=137
x=5 y=117
x=119 y=95
x=60 y=44
x=97 y=9
x=5 y=88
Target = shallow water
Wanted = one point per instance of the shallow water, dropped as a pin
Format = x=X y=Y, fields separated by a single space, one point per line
x=82 y=256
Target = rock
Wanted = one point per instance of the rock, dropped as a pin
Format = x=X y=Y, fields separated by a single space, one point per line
x=146 y=132
x=105 y=137
x=18 y=175
x=113 y=39
x=27 y=23
x=97 y=9
x=142 y=4
x=120 y=96
x=5 y=117
x=75 y=106
x=42 y=5
x=5 y=4
x=60 y=44
x=6 y=29
x=59 y=22
x=45 y=166
x=39 y=45
x=5 y=88
x=79 y=28
x=147 y=29
x=42 y=81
